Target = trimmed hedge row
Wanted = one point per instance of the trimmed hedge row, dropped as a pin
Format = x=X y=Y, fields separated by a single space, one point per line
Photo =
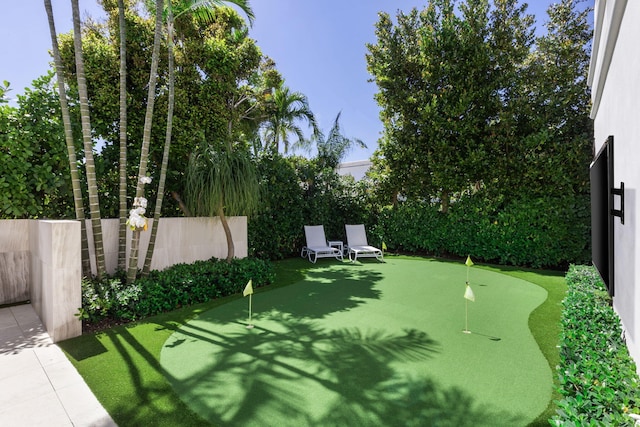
x=547 y=231
x=174 y=287
x=542 y=232
x=598 y=380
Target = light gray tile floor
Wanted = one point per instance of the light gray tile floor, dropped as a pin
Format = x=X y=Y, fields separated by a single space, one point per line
x=38 y=384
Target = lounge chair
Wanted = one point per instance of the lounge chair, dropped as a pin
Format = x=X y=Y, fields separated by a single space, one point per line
x=357 y=245
x=317 y=246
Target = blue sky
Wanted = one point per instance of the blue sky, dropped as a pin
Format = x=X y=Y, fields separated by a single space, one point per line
x=318 y=46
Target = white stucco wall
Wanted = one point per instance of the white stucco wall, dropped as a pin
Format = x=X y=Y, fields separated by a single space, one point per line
x=615 y=81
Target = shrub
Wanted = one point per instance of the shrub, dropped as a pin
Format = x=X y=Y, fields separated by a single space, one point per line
x=274 y=232
x=598 y=380
x=297 y=192
x=537 y=232
x=110 y=297
x=174 y=287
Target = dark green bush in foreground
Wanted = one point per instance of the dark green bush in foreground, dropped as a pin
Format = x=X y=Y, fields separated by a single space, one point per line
x=179 y=285
x=598 y=380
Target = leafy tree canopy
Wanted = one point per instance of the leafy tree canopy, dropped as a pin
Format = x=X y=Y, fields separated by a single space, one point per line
x=221 y=83
x=469 y=100
x=34 y=182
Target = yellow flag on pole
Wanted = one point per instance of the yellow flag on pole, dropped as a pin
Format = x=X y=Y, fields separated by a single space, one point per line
x=384 y=246
x=248 y=290
x=468 y=294
x=468 y=262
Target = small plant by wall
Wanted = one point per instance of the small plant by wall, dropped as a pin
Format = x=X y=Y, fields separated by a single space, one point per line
x=174 y=287
x=598 y=380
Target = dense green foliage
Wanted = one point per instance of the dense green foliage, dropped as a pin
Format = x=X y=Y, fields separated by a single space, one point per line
x=220 y=75
x=540 y=232
x=598 y=379
x=35 y=180
x=177 y=286
x=486 y=132
x=469 y=99
x=297 y=192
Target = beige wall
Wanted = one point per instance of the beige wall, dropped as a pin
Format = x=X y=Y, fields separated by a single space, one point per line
x=55 y=276
x=179 y=240
x=14 y=261
x=40 y=260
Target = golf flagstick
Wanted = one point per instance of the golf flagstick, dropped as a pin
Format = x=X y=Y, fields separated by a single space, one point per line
x=468 y=296
x=248 y=290
x=466 y=317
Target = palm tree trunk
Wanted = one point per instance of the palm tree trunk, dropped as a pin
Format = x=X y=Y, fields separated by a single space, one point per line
x=71 y=150
x=146 y=135
x=167 y=146
x=94 y=204
x=227 y=233
x=122 y=238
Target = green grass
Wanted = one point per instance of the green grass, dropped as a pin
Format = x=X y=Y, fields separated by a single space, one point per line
x=122 y=365
x=544 y=321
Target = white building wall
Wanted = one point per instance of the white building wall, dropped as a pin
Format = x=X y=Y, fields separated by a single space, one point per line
x=356 y=169
x=615 y=81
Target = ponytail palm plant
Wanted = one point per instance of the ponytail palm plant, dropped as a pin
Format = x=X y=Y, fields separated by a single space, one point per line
x=222 y=181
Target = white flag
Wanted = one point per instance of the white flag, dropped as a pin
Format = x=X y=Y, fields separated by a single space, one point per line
x=468 y=294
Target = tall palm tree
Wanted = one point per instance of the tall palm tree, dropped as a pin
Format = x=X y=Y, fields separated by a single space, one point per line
x=222 y=181
x=333 y=148
x=167 y=145
x=146 y=135
x=202 y=10
x=94 y=204
x=122 y=246
x=68 y=134
x=288 y=109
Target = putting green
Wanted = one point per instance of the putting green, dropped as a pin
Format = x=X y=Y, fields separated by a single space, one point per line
x=368 y=344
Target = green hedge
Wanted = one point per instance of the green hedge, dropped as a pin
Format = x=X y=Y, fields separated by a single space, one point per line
x=598 y=380
x=296 y=192
x=551 y=231
x=540 y=232
x=179 y=285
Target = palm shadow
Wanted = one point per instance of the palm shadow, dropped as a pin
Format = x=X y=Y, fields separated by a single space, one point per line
x=299 y=373
x=324 y=291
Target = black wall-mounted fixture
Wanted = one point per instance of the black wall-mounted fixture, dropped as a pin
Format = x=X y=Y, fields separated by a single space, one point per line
x=603 y=213
x=618 y=192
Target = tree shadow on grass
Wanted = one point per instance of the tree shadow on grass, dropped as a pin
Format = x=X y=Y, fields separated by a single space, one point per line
x=324 y=291
x=292 y=371
x=296 y=372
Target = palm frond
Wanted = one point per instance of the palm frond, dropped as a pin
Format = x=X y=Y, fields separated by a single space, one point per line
x=204 y=9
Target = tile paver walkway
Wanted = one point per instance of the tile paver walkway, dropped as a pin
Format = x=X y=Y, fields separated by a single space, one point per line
x=38 y=384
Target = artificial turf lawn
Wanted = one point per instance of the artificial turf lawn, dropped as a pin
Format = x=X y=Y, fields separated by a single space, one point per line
x=368 y=344
x=122 y=365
